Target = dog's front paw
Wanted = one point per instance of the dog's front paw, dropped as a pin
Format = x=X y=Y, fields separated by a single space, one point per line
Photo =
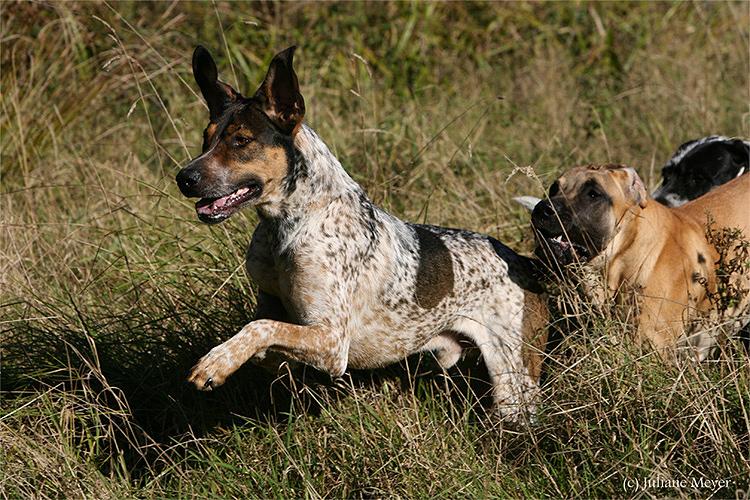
x=212 y=370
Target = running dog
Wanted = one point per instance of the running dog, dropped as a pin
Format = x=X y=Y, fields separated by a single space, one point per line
x=659 y=255
x=341 y=282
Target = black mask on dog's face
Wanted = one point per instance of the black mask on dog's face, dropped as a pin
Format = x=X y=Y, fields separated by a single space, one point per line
x=581 y=214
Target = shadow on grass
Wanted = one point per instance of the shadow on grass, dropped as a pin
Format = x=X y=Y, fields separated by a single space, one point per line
x=132 y=367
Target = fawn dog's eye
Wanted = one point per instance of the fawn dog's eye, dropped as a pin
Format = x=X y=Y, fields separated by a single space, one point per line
x=592 y=191
x=241 y=140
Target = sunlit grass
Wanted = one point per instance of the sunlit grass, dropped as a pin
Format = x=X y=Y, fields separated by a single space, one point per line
x=110 y=289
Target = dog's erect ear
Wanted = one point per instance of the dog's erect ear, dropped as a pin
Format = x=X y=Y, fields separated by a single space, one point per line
x=279 y=93
x=218 y=94
x=636 y=190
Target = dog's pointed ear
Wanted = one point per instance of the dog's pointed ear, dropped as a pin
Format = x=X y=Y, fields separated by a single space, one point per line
x=279 y=93
x=218 y=95
x=636 y=188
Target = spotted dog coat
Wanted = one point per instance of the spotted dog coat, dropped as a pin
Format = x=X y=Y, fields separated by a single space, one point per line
x=341 y=282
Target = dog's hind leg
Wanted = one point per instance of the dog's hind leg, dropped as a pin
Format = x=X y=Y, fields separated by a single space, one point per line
x=320 y=346
x=514 y=392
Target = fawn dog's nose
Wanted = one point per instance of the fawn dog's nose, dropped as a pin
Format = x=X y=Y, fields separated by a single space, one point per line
x=544 y=210
x=187 y=180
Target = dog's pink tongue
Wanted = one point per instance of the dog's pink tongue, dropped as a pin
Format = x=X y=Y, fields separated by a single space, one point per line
x=218 y=203
x=213 y=206
x=205 y=209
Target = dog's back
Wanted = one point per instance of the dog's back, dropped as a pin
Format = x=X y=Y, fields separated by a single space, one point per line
x=720 y=212
x=727 y=206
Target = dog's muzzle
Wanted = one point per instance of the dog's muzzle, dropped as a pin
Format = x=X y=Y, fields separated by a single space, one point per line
x=218 y=203
x=553 y=244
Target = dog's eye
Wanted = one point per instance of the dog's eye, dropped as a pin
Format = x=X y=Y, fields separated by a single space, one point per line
x=240 y=141
x=594 y=194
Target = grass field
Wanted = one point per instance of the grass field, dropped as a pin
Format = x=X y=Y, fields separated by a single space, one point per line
x=110 y=289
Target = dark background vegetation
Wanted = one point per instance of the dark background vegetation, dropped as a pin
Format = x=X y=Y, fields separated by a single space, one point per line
x=110 y=289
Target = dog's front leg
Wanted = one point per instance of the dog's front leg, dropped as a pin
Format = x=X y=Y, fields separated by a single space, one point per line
x=321 y=346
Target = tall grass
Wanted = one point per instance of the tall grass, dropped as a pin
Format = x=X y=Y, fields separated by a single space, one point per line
x=110 y=289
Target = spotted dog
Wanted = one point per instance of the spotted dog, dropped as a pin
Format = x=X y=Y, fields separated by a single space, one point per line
x=342 y=283
x=699 y=166
x=658 y=255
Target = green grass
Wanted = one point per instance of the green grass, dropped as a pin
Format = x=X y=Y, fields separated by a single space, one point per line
x=110 y=289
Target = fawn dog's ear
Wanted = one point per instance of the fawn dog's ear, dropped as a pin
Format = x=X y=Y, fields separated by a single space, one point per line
x=218 y=94
x=279 y=93
x=636 y=190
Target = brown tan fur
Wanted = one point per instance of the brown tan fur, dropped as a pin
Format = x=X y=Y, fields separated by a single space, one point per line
x=535 y=321
x=660 y=253
x=435 y=271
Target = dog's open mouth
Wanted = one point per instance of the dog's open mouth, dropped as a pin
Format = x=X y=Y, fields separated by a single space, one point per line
x=213 y=210
x=560 y=250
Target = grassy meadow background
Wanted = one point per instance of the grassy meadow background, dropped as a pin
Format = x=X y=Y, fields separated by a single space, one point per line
x=110 y=289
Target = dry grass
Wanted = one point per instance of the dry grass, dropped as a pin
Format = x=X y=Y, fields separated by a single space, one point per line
x=110 y=290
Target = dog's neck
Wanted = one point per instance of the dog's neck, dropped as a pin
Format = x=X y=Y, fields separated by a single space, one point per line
x=315 y=179
x=630 y=260
x=315 y=182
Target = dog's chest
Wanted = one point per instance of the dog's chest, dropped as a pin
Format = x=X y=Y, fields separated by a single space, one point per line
x=312 y=277
x=302 y=284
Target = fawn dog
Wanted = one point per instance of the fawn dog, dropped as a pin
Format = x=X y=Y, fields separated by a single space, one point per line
x=603 y=215
x=342 y=283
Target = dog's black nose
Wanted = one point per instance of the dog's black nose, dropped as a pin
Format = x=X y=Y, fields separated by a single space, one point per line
x=543 y=210
x=187 y=180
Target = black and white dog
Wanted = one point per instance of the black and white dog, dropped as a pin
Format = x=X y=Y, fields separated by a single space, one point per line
x=342 y=283
x=700 y=165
